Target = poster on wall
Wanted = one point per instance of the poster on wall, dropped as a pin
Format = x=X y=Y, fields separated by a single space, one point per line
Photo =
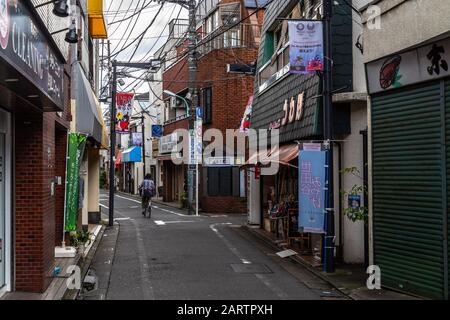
x=124 y=109
x=137 y=139
x=306 y=46
x=311 y=191
x=76 y=146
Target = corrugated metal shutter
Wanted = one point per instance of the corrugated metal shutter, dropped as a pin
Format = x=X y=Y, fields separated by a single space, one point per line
x=408 y=199
x=447 y=121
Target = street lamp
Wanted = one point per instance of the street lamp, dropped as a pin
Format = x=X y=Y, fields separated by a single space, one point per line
x=172 y=94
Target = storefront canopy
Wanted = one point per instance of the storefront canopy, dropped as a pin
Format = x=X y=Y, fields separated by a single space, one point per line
x=88 y=119
x=282 y=155
x=132 y=154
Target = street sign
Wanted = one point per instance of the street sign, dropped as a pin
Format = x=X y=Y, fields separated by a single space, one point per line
x=199 y=113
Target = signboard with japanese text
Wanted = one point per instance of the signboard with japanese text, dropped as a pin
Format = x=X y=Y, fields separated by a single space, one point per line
x=306 y=46
x=124 y=109
x=168 y=143
x=136 y=139
x=24 y=46
x=311 y=191
x=422 y=64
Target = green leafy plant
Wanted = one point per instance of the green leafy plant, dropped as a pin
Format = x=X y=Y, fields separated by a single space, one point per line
x=79 y=238
x=184 y=200
x=360 y=213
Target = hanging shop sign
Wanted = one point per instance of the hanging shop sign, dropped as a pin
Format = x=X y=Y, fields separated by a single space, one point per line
x=136 y=139
x=124 y=109
x=292 y=111
x=306 y=46
x=422 y=64
x=157 y=130
x=77 y=143
x=23 y=45
x=168 y=143
x=311 y=191
x=245 y=123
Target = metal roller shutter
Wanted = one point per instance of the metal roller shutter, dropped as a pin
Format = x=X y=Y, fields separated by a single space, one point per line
x=409 y=201
x=447 y=134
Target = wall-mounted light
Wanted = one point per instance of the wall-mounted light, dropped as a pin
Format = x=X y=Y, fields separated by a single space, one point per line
x=60 y=7
x=71 y=35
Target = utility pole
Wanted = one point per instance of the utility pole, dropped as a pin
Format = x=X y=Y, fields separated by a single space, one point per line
x=329 y=238
x=112 y=143
x=190 y=5
x=192 y=65
x=138 y=65
x=143 y=142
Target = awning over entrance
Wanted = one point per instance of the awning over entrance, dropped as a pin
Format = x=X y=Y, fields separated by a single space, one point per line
x=89 y=121
x=132 y=154
x=97 y=21
x=282 y=155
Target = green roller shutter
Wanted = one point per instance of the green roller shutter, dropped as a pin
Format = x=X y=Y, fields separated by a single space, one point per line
x=447 y=121
x=409 y=201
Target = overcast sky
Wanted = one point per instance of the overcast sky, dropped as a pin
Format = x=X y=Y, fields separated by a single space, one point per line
x=123 y=33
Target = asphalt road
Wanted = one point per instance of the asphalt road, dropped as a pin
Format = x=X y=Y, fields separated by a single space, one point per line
x=175 y=256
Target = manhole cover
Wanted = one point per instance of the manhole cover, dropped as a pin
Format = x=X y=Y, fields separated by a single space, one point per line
x=250 y=268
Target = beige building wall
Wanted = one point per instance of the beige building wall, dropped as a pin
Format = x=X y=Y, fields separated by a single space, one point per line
x=403 y=24
x=93 y=180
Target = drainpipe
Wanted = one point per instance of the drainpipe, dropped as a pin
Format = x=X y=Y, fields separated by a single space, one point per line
x=341 y=244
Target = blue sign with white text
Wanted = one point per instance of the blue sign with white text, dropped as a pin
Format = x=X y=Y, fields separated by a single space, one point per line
x=311 y=191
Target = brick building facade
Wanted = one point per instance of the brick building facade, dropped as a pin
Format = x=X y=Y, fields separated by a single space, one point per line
x=223 y=97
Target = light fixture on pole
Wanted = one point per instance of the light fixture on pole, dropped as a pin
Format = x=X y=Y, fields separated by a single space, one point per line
x=172 y=94
x=71 y=35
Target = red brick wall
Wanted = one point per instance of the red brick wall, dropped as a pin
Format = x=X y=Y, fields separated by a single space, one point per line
x=39 y=157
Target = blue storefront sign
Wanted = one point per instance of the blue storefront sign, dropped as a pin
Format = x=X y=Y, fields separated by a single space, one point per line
x=157 y=131
x=311 y=191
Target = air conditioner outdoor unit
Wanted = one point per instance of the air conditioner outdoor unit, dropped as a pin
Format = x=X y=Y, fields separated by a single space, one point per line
x=173 y=102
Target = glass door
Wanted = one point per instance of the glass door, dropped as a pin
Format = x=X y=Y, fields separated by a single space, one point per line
x=2 y=209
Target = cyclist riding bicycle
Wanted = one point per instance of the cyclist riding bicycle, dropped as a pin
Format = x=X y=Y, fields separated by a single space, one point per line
x=147 y=190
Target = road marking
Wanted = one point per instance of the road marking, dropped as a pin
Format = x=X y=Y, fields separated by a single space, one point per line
x=162 y=223
x=273 y=287
x=122 y=219
x=128 y=199
x=102 y=205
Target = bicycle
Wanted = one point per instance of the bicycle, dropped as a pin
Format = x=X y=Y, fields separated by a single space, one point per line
x=148 y=209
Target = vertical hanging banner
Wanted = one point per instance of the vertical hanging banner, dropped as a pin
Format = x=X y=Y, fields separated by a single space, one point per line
x=306 y=46
x=76 y=146
x=124 y=109
x=311 y=191
x=245 y=123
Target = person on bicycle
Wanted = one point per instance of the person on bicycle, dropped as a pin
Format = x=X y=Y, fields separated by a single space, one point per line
x=146 y=191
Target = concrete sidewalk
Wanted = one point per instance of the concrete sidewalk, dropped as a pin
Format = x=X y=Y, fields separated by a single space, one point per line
x=348 y=279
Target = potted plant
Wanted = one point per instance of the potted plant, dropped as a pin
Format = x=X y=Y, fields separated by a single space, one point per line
x=81 y=239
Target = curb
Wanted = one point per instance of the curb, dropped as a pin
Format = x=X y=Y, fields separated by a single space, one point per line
x=297 y=260
x=85 y=264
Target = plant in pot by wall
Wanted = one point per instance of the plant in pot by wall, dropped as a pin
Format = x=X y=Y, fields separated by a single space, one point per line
x=81 y=239
x=184 y=200
x=354 y=210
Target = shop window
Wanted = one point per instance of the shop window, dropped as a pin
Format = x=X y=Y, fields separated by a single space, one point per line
x=207 y=105
x=223 y=181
